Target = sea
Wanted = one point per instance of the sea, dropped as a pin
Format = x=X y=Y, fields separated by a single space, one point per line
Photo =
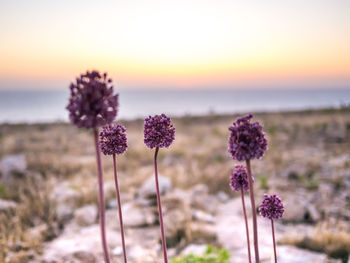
x=32 y=106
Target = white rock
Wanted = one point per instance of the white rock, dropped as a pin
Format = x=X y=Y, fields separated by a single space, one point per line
x=139 y=254
x=66 y=199
x=117 y=251
x=205 y=202
x=64 y=212
x=194 y=249
x=137 y=216
x=7 y=205
x=13 y=164
x=296 y=208
x=177 y=218
x=200 y=189
x=86 y=215
x=289 y=254
x=222 y=196
x=148 y=188
x=199 y=215
x=203 y=232
x=65 y=194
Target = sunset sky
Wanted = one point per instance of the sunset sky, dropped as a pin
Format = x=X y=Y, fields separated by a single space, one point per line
x=176 y=44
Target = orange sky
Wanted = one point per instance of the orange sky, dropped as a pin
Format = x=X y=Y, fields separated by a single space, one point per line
x=182 y=44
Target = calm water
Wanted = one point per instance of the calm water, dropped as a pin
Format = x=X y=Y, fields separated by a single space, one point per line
x=40 y=106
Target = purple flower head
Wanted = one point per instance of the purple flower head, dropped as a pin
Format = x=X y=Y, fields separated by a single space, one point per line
x=239 y=178
x=92 y=102
x=247 y=140
x=158 y=131
x=113 y=139
x=271 y=207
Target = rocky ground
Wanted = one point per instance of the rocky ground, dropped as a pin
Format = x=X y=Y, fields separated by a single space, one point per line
x=48 y=199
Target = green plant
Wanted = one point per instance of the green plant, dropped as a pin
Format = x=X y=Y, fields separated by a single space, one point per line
x=210 y=255
x=263 y=182
x=2 y=191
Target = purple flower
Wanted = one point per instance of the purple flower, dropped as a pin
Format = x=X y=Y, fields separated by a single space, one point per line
x=247 y=140
x=271 y=207
x=158 y=131
x=239 y=178
x=113 y=139
x=92 y=103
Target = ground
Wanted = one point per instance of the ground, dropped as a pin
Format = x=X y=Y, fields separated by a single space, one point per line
x=48 y=173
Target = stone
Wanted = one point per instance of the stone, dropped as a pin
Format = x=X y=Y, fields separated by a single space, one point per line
x=76 y=242
x=148 y=188
x=138 y=254
x=12 y=165
x=222 y=196
x=194 y=249
x=205 y=202
x=203 y=232
x=199 y=215
x=66 y=199
x=38 y=232
x=65 y=194
x=200 y=189
x=6 y=205
x=177 y=218
x=296 y=209
x=84 y=256
x=312 y=214
x=112 y=204
x=64 y=212
x=86 y=215
x=137 y=216
x=117 y=251
x=289 y=254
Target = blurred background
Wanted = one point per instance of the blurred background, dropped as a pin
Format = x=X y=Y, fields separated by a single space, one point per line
x=204 y=63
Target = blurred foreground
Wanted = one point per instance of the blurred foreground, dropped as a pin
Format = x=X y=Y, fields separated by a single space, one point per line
x=48 y=191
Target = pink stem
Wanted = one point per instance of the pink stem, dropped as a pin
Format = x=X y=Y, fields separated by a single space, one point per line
x=101 y=198
x=119 y=207
x=252 y=200
x=160 y=207
x=246 y=226
x=273 y=238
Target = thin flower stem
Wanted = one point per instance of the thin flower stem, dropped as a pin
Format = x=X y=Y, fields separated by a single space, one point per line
x=119 y=207
x=246 y=226
x=160 y=207
x=273 y=238
x=252 y=200
x=101 y=198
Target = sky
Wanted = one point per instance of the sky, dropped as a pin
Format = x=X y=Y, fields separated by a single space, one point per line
x=176 y=44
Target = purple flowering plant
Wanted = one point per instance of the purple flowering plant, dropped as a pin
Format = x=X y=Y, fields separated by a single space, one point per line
x=239 y=179
x=247 y=142
x=92 y=103
x=272 y=208
x=113 y=141
x=159 y=132
x=239 y=182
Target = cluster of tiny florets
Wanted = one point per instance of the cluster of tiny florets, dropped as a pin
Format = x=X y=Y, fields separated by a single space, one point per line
x=271 y=207
x=92 y=102
x=113 y=139
x=247 y=140
x=239 y=178
x=158 y=131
